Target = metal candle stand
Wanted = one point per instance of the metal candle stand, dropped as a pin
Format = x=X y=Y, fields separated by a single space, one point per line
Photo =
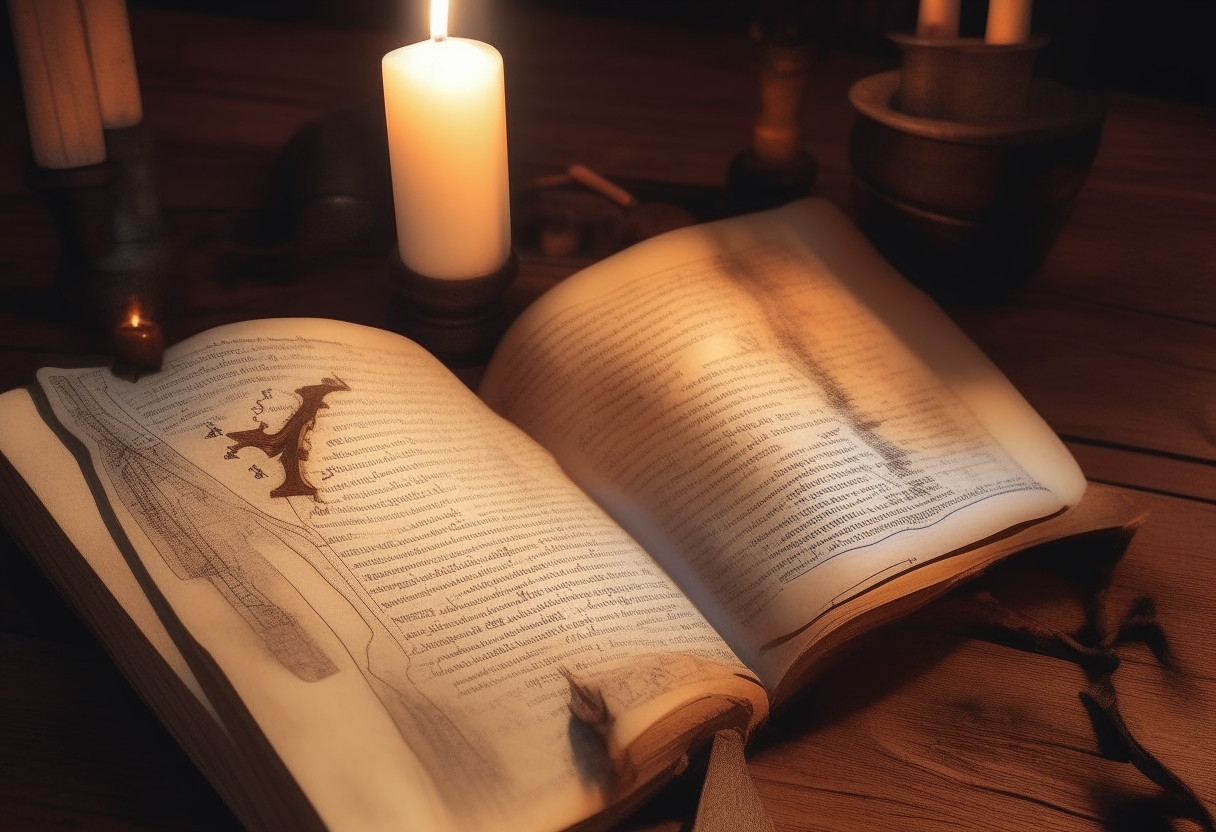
x=136 y=268
x=114 y=248
x=965 y=167
x=79 y=202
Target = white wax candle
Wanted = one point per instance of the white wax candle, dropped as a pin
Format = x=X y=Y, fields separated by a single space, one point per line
x=1008 y=21
x=109 y=32
x=447 y=136
x=57 y=83
x=938 y=20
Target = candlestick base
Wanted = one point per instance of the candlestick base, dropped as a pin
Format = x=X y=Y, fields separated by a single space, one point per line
x=80 y=201
x=754 y=185
x=457 y=321
x=114 y=248
x=968 y=210
x=776 y=169
x=133 y=371
x=134 y=272
x=965 y=79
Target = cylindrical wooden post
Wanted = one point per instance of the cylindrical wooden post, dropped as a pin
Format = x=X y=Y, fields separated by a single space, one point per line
x=457 y=321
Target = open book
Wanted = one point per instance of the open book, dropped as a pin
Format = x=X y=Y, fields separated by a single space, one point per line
x=364 y=598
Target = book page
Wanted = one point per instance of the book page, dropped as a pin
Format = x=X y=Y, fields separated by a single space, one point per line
x=396 y=583
x=35 y=453
x=88 y=568
x=761 y=428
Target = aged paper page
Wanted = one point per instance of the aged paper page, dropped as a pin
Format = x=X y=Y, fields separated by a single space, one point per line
x=762 y=431
x=43 y=462
x=53 y=474
x=395 y=581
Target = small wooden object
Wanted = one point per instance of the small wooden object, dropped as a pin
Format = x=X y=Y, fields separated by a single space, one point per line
x=775 y=169
x=965 y=168
x=965 y=80
x=139 y=346
x=457 y=321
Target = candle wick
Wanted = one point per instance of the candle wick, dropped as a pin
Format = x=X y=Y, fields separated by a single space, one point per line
x=439 y=38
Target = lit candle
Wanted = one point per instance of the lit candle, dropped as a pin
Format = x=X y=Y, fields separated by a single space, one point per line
x=1008 y=21
x=57 y=82
x=447 y=135
x=109 y=33
x=138 y=343
x=938 y=20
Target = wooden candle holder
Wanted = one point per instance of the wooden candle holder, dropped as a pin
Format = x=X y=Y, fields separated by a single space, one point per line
x=965 y=80
x=457 y=321
x=775 y=169
x=962 y=192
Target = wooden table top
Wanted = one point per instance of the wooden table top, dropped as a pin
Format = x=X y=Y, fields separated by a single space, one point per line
x=1114 y=342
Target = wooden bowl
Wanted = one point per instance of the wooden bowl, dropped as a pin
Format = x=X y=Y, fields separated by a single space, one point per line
x=968 y=211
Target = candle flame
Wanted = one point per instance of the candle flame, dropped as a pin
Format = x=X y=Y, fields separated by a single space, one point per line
x=439 y=19
x=134 y=319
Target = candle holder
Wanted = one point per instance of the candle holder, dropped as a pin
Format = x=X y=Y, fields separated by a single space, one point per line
x=136 y=266
x=113 y=244
x=965 y=168
x=965 y=80
x=80 y=202
x=139 y=348
x=775 y=169
x=457 y=321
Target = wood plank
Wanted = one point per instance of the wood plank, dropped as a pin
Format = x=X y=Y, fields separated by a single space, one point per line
x=1150 y=472
x=1154 y=184
x=983 y=733
x=1107 y=374
x=922 y=728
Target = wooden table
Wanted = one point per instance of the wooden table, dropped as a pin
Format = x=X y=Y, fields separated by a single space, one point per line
x=1114 y=342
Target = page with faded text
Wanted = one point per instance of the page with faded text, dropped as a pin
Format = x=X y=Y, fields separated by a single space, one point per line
x=777 y=417
x=400 y=586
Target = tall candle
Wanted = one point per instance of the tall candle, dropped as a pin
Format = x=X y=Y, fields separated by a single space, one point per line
x=1008 y=21
x=938 y=20
x=447 y=136
x=60 y=99
x=108 y=30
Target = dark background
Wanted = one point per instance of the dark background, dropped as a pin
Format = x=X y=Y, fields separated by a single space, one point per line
x=1160 y=48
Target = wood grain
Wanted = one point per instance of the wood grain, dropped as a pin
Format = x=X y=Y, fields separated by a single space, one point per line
x=1114 y=342
x=924 y=730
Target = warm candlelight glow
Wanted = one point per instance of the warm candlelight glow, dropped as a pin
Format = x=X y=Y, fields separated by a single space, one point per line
x=938 y=20
x=446 y=119
x=60 y=99
x=139 y=344
x=439 y=19
x=1008 y=21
